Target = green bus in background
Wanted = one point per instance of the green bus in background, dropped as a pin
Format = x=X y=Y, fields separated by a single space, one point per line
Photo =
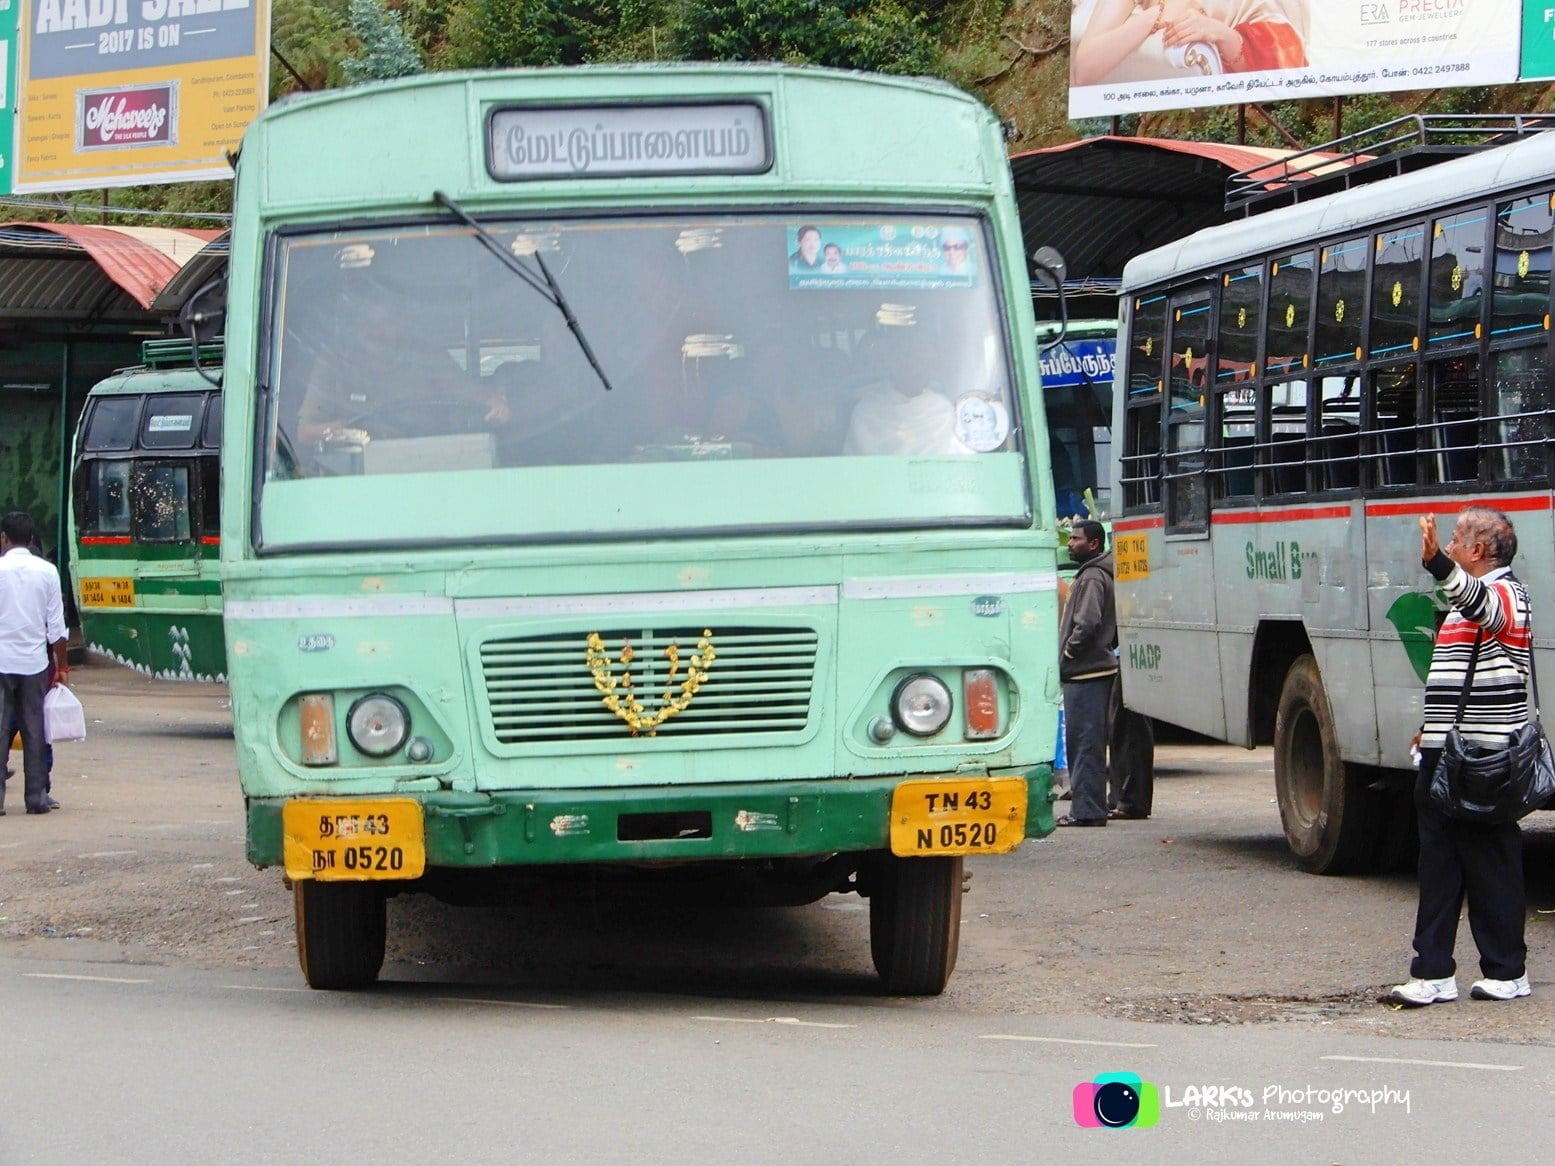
x=145 y=530
x=635 y=471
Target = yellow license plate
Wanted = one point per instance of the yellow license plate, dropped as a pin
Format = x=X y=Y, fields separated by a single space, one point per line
x=340 y=841
x=107 y=593
x=962 y=816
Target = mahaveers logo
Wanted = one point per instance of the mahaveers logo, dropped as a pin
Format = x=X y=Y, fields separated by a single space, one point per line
x=146 y=115
x=1116 y=1101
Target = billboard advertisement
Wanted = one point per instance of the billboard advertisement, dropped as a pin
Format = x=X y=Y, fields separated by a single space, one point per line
x=127 y=92
x=8 y=14
x=1129 y=56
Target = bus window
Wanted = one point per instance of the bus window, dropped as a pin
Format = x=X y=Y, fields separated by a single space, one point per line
x=1147 y=346
x=102 y=497
x=1520 y=400
x=1236 y=340
x=1453 y=430
x=172 y=421
x=1286 y=340
x=1395 y=291
x=1457 y=287
x=1521 y=299
x=1187 y=498
x=1285 y=457
x=210 y=499
x=211 y=438
x=1238 y=419
x=1394 y=411
x=1335 y=449
x=725 y=352
x=160 y=501
x=112 y=425
x=1141 y=468
x=1341 y=294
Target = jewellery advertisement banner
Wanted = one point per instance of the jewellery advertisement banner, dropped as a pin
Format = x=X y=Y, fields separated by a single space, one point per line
x=1129 y=56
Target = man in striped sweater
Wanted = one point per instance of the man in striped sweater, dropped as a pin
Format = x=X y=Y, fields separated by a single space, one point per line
x=1458 y=859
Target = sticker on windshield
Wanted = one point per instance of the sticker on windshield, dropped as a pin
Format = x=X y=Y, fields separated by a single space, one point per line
x=886 y=255
x=170 y=423
x=982 y=422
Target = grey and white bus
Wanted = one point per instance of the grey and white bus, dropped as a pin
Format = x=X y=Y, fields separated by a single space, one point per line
x=1298 y=387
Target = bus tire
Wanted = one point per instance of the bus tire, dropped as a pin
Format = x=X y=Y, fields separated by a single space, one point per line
x=1325 y=807
x=915 y=923
x=341 y=930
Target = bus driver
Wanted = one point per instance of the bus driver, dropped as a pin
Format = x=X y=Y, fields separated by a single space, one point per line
x=389 y=381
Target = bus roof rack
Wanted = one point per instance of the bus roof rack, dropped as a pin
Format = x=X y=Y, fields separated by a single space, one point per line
x=178 y=351
x=1382 y=151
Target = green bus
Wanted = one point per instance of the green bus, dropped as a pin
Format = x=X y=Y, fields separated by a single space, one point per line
x=145 y=531
x=635 y=470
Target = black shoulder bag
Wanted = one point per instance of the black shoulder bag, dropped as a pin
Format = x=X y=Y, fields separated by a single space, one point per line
x=1474 y=783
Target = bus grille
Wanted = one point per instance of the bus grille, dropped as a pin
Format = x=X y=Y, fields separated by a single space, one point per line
x=540 y=689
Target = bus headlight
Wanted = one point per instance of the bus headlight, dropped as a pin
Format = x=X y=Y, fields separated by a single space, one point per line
x=921 y=705
x=377 y=724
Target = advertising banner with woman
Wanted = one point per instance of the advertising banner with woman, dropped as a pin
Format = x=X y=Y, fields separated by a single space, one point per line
x=1136 y=55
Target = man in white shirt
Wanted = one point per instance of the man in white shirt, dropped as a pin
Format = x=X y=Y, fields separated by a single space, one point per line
x=32 y=627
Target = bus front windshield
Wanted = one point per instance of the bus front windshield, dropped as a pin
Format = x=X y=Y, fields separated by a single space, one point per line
x=726 y=339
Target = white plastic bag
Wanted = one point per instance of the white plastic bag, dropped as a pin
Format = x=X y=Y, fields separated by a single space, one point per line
x=63 y=717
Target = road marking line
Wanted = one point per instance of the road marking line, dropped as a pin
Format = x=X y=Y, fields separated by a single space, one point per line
x=1065 y=1040
x=262 y=988
x=1434 y=1064
x=107 y=853
x=8 y=845
x=255 y=919
x=793 y=1020
x=502 y=1003
x=94 y=979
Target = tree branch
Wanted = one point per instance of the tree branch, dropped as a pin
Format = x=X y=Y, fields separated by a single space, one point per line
x=1035 y=52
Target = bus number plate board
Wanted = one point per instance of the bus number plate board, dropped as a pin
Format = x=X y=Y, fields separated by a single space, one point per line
x=1131 y=557
x=343 y=841
x=971 y=816
x=107 y=593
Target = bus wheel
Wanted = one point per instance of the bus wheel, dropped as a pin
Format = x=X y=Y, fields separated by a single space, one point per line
x=915 y=923
x=340 y=932
x=1325 y=808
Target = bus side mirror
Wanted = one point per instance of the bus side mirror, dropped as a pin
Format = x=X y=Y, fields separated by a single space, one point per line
x=203 y=317
x=1048 y=270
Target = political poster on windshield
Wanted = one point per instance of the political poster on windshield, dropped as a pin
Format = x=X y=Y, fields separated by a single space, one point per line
x=1129 y=56
x=132 y=92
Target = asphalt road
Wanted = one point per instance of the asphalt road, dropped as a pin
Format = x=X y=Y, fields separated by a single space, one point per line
x=155 y=1065
x=1191 y=940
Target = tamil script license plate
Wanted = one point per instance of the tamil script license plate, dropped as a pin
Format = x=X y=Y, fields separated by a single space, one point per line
x=107 y=593
x=962 y=816
x=340 y=841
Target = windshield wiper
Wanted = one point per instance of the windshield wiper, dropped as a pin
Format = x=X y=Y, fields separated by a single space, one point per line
x=550 y=290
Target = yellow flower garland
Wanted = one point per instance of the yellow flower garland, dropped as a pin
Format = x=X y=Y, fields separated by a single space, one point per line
x=672 y=703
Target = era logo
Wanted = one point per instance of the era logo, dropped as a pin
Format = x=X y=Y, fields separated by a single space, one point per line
x=1373 y=13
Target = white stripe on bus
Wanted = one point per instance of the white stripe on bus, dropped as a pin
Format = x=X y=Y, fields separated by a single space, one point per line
x=649 y=601
x=240 y=609
x=931 y=585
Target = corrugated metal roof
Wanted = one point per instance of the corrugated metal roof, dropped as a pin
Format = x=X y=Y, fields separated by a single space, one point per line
x=1101 y=201
x=70 y=273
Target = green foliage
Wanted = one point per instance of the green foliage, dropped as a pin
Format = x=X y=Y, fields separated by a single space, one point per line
x=385 y=50
x=313 y=37
x=889 y=36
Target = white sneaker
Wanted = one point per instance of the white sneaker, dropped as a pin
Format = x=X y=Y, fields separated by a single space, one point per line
x=1500 y=989
x=1418 y=993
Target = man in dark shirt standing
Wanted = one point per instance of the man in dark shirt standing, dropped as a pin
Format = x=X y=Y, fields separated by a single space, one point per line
x=1088 y=667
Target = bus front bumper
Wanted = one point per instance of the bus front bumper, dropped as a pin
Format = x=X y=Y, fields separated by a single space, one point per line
x=642 y=824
